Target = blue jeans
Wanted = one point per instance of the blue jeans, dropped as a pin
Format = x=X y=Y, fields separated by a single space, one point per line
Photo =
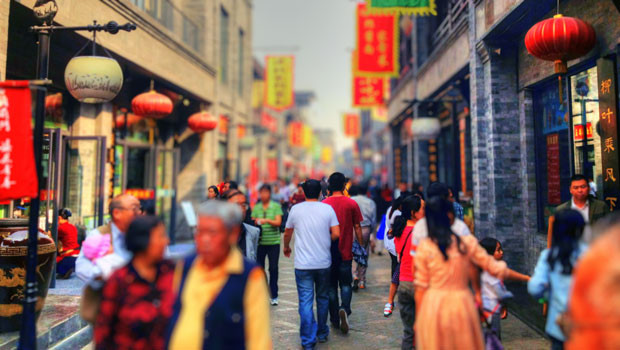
x=341 y=275
x=307 y=282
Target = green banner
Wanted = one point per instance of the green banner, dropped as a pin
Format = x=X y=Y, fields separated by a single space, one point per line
x=416 y=7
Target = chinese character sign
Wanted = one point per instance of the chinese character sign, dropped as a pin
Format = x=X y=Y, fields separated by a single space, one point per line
x=296 y=134
x=554 y=186
x=379 y=114
x=377 y=43
x=279 y=82
x=268 y=122
x=416 y=7
x=18 y=174
x=352 y=128
x=368 y=91
x=608 y=130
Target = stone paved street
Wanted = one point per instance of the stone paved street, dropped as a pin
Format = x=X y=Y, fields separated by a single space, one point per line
x=369 y=329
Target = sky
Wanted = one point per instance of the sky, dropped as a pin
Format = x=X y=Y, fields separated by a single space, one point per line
x=321 y=35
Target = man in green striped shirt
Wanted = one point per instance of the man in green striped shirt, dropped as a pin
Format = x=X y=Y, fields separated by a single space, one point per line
x=268 y=214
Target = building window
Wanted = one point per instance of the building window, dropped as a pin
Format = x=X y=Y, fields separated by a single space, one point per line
x=553 y=168
x=241 y=61
x=224 y=24
x=190 y=33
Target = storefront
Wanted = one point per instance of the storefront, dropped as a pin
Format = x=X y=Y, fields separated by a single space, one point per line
x=402 y=146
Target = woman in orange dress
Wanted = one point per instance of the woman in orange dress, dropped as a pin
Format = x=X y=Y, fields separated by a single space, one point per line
x=447 y=317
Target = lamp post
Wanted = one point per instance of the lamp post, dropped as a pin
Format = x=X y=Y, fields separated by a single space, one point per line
x=45 y=11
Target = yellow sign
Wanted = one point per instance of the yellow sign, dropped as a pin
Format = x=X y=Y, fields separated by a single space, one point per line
x=279 y=74
x=258 y=93
x=326 y=155
x=379 y=114
x=306 y=137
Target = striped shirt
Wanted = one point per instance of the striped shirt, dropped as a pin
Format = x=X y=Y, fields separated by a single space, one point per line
x=271 y=234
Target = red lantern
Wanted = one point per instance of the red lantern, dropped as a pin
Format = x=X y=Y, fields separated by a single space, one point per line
x=152 y=105
x=202 y=121
x=560 y=39
x=132 y=119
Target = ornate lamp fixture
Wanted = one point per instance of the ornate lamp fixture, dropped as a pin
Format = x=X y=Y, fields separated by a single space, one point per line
x=425 y=128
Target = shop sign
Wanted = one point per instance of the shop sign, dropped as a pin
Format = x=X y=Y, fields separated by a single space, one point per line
x=141 y=193
x=268 y=122
x=279 y=71
x=607 y=92
x=296 y=134
x=367 y=91
x=379 y=114
x=18 y=175
x=432 y=160
x=351 y=123
x=377 y=43
x=578 y=134
x=554 y=187
x=415 y=7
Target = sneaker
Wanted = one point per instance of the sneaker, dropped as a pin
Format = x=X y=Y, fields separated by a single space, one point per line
x=323 y=340
x=387 y=310
x=362 y=285
x=344 y=321
x=274 y=301
x=355 y=285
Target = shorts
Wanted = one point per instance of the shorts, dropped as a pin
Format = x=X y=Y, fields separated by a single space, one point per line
x=396 y=275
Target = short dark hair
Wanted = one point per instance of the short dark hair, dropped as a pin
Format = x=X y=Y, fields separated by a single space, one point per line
x=138 y=234
x=265 y=187
x=64 y=213
x=363 y=188
x=489 y=244
x=438 y=189
x=231 y=193
x=337 y=182
x=354 y=190
x=312 y=189
x=233 y=185
x=215 y=189
x=578 y=177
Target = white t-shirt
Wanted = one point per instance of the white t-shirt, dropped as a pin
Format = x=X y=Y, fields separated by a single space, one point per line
x=389 y=222
x=420 y=231
x=312 y=222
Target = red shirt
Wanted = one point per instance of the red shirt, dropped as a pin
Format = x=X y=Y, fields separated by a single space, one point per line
x=406 y=261
x=134 y=313
x=68 y=236
x=348 y=214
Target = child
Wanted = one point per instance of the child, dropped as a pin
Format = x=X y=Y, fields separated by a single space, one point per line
x=493 y=289
x=95 y=247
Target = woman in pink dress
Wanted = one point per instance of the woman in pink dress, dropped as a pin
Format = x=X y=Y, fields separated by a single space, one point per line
x=447 y=317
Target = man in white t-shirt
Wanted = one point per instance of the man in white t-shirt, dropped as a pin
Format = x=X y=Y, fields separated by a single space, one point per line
x=315 y=225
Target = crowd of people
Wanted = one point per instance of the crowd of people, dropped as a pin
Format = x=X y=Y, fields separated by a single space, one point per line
x=447 y=284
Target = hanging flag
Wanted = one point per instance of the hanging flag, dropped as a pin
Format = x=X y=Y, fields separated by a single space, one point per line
x=306 y=140
x=223 y=125
x=368 y=91
x=411 y=7
x=272 y=169
x=352 y=126
x=326 y=155
x=379 y=114
x=18 y=174
x=268 y=122
x=279 y=82
x=295 y=134
x=377 y=44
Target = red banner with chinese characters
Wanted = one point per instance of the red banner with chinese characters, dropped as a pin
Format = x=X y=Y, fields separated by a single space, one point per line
x=296 y=134
x=352 y=127
x=18 y=173
x=268 y=122
x=279 y=75
x=253 y=179
x=554 y=187
x=272 y=169
x=578 y=135
x=377 y=43
x=368 y=91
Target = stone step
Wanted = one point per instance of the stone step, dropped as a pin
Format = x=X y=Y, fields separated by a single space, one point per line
x=76 y=341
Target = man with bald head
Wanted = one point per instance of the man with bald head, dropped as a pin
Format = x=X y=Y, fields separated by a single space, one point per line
x=123 y=209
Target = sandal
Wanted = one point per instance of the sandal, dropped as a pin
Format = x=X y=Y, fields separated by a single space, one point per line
x=387 y=310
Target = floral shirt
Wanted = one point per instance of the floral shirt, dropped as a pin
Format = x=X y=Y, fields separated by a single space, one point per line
x=134 y=313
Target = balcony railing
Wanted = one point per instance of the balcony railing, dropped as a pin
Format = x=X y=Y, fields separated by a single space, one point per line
x=455 y=18
x=186 y=28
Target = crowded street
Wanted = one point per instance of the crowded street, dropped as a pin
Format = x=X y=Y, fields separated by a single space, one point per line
x=294 y=174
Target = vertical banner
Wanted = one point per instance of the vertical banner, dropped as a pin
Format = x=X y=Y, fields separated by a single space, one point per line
x=607 y=97
x=223 y=125
x=258 y=94
x=326 y=155
x=367 y=91
x=295 y=134
x=268 y=122
x=377 y=43
x=279 y=71
x=241 y=131
x=411 y=7
x=306 y=138
x=379 y=114
x=253 y=180
x=272 y=169
x=554 y=187
x=18 y=173
x=351 y=123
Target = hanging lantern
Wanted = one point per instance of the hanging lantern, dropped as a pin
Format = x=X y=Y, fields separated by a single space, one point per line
x=132 y=119
x=425 y=128
x=152 y=105
x=53 y=103
x=202 y=121
x=93 y=79
x=560 y=39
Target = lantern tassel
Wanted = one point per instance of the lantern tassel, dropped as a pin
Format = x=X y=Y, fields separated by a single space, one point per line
x=560 y=89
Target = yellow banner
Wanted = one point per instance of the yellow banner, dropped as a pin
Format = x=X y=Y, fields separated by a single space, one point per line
x=379 y=114
x=258 y=94
x=307 y=137
x=279 y=72
x=326 y=155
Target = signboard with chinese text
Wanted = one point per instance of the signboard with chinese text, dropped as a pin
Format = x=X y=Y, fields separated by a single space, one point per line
x=141 y=193
x=368 y=91
x=352 y=127
x=554 y=187
x=268 y=122
x=415 y=7
x=578 y=133
x=377 y=44
x=18 y=174
x=279 y=72
x=295 y=134
x=379 y=114
x=608 y=122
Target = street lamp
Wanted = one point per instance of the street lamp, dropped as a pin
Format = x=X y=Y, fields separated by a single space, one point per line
x=45 y=11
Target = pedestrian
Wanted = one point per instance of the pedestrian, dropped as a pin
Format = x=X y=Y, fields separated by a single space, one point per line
x=493 y=290
x=221 y=297
x=392 y=213
x=137 y=299
x=349 y=217
x=593 y=316
x=447 y=317
x=315 y=226
x=213 y=193
x=123 y=209
x=412 y=212
x=298 y=196
x=68 y=246
x=459 y=212
x=553 y=273
x=369 y=212
x=249 y=234
x=268 y=214
x=589 y=207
